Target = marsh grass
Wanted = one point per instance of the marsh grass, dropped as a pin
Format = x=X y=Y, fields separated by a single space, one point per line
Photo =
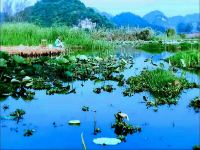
x=186 y=59
x=31 y=35
x=160 y=83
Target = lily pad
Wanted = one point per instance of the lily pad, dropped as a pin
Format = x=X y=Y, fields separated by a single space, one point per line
x=3 y=63
x=74 y=122
x=106 y=141
x=15 y=81
x=82 y=57
x=26 y=79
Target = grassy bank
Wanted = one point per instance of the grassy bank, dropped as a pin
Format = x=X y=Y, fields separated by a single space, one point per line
x=31 y=35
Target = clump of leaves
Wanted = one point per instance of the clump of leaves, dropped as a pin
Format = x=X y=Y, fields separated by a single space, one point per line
x=195 y=103
x=60 y=90
x=122 y=128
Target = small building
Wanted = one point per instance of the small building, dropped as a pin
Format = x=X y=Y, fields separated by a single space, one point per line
x=87 y=24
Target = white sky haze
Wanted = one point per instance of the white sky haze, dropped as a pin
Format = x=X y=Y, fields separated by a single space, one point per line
x=140 y=7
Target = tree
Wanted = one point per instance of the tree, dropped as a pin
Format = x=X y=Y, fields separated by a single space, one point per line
x=170 y=32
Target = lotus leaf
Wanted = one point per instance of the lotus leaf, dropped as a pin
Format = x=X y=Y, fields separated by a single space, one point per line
x=15 y=81
x=106 y=141
x=82 y=57
x=3 y=63
x=27 y=79
x=74 y=122
x=61 y=60
x=19 y=60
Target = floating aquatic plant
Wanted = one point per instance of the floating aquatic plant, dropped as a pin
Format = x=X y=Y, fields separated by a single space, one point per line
x=74 y=122
x=106 y=141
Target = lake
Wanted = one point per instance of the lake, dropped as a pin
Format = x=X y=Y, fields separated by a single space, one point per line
x=171 y=127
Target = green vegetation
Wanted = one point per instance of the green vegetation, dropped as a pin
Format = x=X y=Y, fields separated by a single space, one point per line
x=170 y=32
x=29 y=34
x=162 y=84
x=186 y=59
x=159 y=46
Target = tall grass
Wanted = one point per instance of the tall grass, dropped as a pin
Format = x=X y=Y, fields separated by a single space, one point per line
x=31 y=35
x=186 y=59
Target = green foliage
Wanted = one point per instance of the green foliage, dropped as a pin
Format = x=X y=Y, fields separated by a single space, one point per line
x=170 y=32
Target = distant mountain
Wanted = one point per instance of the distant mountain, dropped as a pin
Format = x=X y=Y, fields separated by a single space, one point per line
x=129 y=19
x=157 y=18
x=189 y=21
x=107 y=15
x=60 y=12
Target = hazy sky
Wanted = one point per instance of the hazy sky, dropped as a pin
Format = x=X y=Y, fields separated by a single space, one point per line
x=141 y=7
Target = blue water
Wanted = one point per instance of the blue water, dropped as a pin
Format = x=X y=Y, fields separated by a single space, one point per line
x=174 y=127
